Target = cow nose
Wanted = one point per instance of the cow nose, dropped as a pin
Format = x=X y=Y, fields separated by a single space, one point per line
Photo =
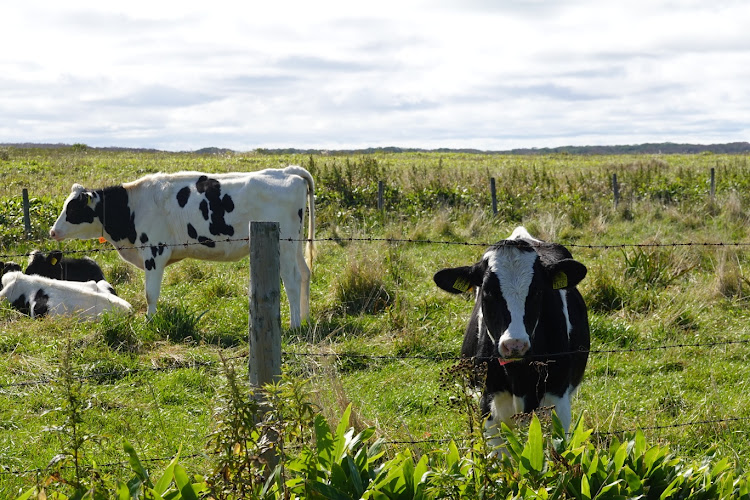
x=513 y=347
x=53 y=235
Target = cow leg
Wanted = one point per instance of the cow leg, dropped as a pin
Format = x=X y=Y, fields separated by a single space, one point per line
x=503 y=406
x=153 y=287
x=305 y=276
x=291 y=276
x=561 y=405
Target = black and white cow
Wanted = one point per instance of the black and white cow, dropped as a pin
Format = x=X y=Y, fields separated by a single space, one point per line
x=529 y=324
x=39 y=296
x=54 y=265
x=160 y=219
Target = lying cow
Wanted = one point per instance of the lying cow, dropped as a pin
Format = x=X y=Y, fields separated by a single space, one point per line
x=55 y=266
x=160 y=219
x=8 y=267
x=39 y=296
x=529 y=324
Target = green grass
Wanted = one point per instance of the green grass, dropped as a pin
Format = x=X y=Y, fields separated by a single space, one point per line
x=378 y=299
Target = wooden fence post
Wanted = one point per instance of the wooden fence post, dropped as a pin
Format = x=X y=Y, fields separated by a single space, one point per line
x=26 y=216
x=615 y=190
x=713 y=183
x=493 y=192
x=265 y=319
x=265 y=310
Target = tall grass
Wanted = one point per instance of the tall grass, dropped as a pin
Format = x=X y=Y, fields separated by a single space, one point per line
x=377 y=299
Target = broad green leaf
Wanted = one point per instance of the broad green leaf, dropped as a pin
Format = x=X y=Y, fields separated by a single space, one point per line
x=323 y=442
x=329 y=492
x=514 y=445
x=166 y=478
x=183 y=483
x=619 y=459
x=671 y=488
x=343 y=435
x=27 y=495
x=605 y=489
x=534 y=449
x=585 y=488
x=122 y=492
x=640 y=444
x=135 y=464
x=355 y=479
x=580 y=435
x=634 y=482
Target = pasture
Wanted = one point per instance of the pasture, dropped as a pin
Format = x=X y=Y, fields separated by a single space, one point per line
x=667 y=289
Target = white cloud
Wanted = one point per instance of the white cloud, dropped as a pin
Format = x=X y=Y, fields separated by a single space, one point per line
x=476 y=73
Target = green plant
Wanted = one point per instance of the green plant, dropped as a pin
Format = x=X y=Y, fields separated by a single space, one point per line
x=175 y=323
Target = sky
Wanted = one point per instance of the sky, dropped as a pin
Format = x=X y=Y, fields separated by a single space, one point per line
x=329 y=74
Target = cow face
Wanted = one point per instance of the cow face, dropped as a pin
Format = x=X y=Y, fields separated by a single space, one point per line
x=511 y=282
x=78 y=216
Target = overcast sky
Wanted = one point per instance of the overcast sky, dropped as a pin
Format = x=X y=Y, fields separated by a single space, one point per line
x=486 y=74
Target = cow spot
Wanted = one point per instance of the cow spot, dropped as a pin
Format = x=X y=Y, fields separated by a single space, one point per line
x=217 y=205
x=182 y=196
x=192 y=232
x=114 y=212
x=206 y=241
x=301 y=215
x=40 y=303
x=204 y=209
x=78 y=210
x=144 y=238
x=157 y=249
x=22 y=305
x=149 y=264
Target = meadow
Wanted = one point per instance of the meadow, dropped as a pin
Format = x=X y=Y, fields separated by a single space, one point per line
x=667 y=291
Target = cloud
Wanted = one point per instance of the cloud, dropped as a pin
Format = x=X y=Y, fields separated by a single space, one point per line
x=476 y=73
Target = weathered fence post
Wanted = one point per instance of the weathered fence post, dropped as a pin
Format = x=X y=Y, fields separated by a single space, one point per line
x=26 y=216
x=493 y=192
x=265 y=309
x=265 y=318
x=615 y=190
x=713 y=183
x=381 y=188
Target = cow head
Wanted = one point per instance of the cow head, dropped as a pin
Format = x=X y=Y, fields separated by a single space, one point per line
x=45 y=265
x=78 y=218
x=512 y=281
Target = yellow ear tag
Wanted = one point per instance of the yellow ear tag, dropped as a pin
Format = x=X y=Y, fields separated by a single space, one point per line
x=559 y=281
x=53 y=261
x=461 y=284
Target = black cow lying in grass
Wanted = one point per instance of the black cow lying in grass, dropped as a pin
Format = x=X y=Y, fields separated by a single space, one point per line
x=55 y=266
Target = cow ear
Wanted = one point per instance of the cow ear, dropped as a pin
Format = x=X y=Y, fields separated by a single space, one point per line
x=458 y=279
x=566 y=273
x=54 y=257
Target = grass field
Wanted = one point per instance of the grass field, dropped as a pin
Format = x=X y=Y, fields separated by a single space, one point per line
x=667 y=291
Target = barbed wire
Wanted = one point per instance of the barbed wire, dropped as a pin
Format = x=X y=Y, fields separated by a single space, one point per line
x=372 y=239
x=372 y=357
x=123 y=464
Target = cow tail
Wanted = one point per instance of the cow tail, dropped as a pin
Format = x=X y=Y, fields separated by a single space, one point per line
x=310 y=246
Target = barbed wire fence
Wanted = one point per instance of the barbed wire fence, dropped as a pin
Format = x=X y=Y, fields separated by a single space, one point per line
x=117 y=374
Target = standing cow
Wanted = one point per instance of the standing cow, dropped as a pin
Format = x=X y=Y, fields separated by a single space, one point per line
x=529 y=324
x=160 y=219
